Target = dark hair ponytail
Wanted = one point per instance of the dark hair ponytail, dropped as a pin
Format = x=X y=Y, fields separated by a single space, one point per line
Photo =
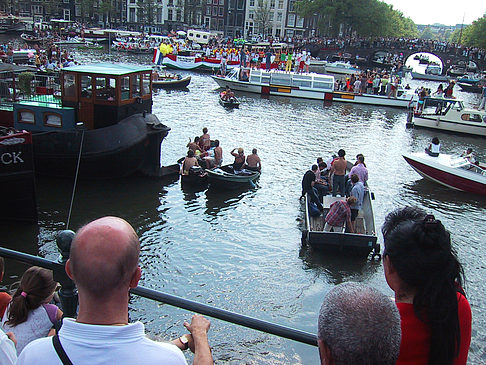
x=420 y=250
x=35 y=287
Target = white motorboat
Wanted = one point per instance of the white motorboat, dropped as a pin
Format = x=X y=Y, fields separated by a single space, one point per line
x=343 y=68
x=432 y=73
x=304 y=85
x=452 y=171
x=448 y=115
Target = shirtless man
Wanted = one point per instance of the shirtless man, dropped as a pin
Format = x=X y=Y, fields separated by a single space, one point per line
x=189 y=161
x=218 y=154
x=205 y=140
x=253 y=161
x=338 y=170
x=194 y=145
x=239 y=158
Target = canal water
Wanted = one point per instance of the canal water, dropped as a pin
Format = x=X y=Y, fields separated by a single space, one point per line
x=241 y=251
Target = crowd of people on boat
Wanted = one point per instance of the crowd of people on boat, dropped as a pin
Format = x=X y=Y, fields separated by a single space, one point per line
x=205 y=153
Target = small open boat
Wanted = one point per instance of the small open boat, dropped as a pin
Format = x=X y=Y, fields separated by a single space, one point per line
x=452 y=171
x=232 y=102
x=170 y=81
x=227 y=178
x=197 y=177
x=470 y=88
x=360 y=243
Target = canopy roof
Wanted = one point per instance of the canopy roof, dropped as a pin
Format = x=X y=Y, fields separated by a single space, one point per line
x=114 y=69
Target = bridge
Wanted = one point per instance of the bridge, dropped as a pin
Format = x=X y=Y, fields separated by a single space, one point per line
x=448 y=55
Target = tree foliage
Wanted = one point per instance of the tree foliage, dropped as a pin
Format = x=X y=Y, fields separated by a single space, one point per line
x=367 y=18
x=262 y=16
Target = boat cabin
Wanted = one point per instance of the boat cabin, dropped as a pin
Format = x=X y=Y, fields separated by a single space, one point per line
x=99 y=95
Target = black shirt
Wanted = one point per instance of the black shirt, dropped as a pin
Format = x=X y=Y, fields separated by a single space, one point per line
x=307 y=180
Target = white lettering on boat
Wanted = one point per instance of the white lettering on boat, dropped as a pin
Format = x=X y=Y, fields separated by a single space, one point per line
x=11 y=158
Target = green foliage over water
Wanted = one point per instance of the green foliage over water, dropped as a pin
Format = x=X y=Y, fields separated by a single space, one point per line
x=473 y=35
x=367 y=18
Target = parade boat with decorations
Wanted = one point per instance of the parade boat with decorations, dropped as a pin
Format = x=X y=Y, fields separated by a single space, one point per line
x=193 y=61
x=448 y=115
x=17 y=180
x=305 y=85
x=452 y=171
x=360 y=243
x=118 y=137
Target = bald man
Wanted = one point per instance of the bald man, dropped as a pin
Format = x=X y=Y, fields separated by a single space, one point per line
x=104 y=265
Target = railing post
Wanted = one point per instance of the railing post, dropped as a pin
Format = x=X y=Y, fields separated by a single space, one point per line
x=68 y=293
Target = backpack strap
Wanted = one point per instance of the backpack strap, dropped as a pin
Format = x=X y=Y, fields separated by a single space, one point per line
x=60 y=351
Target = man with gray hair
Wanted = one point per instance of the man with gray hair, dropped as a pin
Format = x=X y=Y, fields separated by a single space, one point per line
x=358 y=325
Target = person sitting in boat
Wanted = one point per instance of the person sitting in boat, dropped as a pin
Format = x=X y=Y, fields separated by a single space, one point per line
x=434 y=148
x=205 y=140
x=339 y=214
x=308 y=187
x=469 y=155
x=253 y=161
x=194 y=146
x=239 y=163
x=227 y=94
x=449 y=89
x=189 y=162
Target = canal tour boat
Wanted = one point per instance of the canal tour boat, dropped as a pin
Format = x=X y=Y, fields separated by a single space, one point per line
x=360 y=243
x=99 y=114
x=448 y=115
x=305 y=85
x=455 y=172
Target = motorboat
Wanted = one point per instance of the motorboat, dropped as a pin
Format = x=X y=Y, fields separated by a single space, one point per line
x=305 y=85
x=17 y=180
x=165 y=80
x=342 y=68
x=226 y=177
x=452 y=171
x=231 y=102
x=470 y=88
x=119 y=135
x=432 y=73
x=360 y=243
x=448 y=115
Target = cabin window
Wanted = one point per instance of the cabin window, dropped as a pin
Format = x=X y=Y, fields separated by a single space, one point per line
x=135 y=84
x=53 y=119
x=146 y=84
x=471 y=118
x=69 y=86
x=125 y=88
x=301 y=83
x=105 y=88
x=86 y=86
x=26 y=116
x=323 y=85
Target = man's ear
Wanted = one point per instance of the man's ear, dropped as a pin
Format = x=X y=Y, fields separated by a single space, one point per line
x=68 y=269
x=136 y=277
x=324 y=353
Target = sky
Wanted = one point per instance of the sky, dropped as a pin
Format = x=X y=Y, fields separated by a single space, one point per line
x=447 y=12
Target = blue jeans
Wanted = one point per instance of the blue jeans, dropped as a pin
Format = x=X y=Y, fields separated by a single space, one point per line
x=338 y=184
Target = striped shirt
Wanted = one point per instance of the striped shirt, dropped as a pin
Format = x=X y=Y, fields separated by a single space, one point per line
x=339 y=212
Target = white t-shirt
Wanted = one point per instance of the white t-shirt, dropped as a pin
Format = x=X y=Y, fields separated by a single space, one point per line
x=97 y=344
x=8 y=353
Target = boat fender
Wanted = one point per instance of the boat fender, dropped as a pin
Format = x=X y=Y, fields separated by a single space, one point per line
x=437 y=121
x=303 y=239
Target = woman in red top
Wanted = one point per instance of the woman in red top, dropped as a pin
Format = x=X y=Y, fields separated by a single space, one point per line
x=422 y=269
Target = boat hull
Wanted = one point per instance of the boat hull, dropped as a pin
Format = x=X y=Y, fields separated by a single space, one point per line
x=343 y=243
x=470 y=88
x=17 y=181
x=224 y=178
x=129 y=147
x=458 y=179
x=419 y=76
x=172 y=84
x=345 y=97
x=444 y=124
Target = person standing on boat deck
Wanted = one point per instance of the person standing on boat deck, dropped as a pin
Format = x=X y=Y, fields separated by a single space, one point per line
x=434 y=148
x=268 y=60
x=339 y=214
x=360 y=169
x=308 y=183
x=189 y=162
x=239 y=162
x=103 y=264
x=253 y=161
x=218 y=154
x=358 y=191
x=288 y=63
x=205 y=140
x=338 y=170
x=483 y=99
x=358 y=325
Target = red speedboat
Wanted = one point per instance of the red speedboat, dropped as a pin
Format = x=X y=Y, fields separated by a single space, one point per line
x=452 y=171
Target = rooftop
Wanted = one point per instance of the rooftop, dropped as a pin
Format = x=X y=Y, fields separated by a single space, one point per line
x=115 y=69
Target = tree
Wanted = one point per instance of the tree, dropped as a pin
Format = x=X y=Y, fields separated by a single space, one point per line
x=191 y=10
x=427 y=34
x=262 y=17
x=106 y=8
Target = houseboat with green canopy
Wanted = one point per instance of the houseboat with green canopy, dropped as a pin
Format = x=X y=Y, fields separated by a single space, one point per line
x=100 y=114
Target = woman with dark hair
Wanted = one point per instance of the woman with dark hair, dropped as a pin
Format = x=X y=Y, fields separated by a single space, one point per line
x=434 y=148
x=29 y=316
x=422 y=269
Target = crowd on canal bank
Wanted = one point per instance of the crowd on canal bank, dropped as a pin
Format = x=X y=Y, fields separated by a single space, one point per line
x=355 y=322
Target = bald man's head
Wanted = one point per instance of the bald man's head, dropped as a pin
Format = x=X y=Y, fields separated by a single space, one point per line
x=104 y=256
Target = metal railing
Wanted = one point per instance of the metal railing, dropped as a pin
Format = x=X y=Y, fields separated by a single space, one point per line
x=69 y=299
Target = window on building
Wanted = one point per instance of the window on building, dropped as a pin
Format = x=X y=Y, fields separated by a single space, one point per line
x=279 y=17
x=291 y=20
x=272 y=4
x=220 y=24
x=221 y=2
x=178 y=15
x=277 y=32
x=67 y=14
x=159 y=15
x=252 y=2
x=241 y=4
x=215 y=10
x=170 y=3
x=299 y=22
x=131 y=15
x=280 y=4
x=251 y=15
x=270 y=17
x=208 y=10
x=239 y=20
x=170 y=14
x=37 y=9
x=221 y=10
x=291 y=5
x=215 y=2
